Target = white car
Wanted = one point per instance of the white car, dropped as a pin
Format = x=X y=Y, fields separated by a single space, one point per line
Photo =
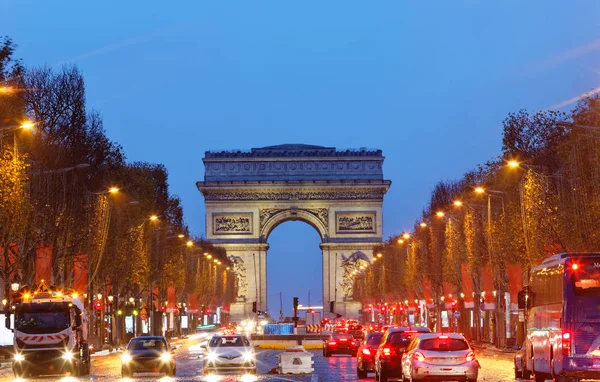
x=439 y=356
x=229 y=354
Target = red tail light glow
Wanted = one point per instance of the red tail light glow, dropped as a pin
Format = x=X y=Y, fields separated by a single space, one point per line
x=387 y=352
x=470 y=357
x=575 y=267
x=443 y=337
x=343 y=339
x=332 y=343
x=566 y=343
x=366 y=351
x=419 y=356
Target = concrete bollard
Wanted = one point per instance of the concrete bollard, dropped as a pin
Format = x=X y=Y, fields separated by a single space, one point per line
x=295 y=360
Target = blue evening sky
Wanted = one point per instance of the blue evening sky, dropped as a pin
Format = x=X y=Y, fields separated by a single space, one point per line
x=428 y=82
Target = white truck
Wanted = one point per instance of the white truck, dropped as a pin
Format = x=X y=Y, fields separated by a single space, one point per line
x=49 y=334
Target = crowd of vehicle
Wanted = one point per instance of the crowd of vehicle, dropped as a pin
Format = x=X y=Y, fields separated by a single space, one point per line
x=408 y=353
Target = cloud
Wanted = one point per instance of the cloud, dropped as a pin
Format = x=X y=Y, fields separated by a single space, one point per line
x=575 y=99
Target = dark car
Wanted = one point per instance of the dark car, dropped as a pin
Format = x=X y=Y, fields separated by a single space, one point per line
x=365 y=358
x=519 y=360
x=340 y=343
x=388 y=359
x=148 y=354
x=357 y=331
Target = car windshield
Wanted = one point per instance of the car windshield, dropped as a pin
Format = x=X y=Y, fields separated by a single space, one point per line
x=147 y=344
x=229 y=341
x=342 y=336
x=374 y=338
x=444 y=344
x=401 y=338
x=42 y=317
x=586 y=279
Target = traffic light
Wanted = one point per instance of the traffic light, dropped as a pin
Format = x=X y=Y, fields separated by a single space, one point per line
x=295 y=303
x=331 y=306
x=453 y=305
x=254 y=307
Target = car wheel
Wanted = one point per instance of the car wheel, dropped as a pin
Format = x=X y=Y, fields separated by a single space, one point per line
x=20 y=373
x=383 y=376
x=171 y=372
x=126 y=373
x=361 y=374
x=518 y=374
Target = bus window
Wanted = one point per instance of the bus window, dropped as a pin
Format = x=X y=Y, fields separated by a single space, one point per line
x=586 y=279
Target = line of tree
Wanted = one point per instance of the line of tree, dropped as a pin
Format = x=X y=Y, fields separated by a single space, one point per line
x=549 y=203
x=54 y=186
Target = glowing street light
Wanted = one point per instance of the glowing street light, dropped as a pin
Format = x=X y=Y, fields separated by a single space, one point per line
x=153 y=218
x=423 y=224
x=379 y=255
x=513 y=163
x=406 y=236
x=189 y=243
x=480 y=190
x=181 y=236
x=113 y=190
x=27 y=125
x=458 y=203
x=440 y=214
x=400 y=241
x=6 y=90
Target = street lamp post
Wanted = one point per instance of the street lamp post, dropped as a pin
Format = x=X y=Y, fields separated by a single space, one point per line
x=498 y=335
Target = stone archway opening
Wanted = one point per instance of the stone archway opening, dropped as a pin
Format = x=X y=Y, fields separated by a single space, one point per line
x=294 y=268
x=339 y=193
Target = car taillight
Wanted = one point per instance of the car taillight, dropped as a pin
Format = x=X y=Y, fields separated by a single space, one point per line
x=366 y=351
x=470 y=357
x=387 y=352
x=566 y=343
x=419 y=356
x=343 y=339
x=331 y=343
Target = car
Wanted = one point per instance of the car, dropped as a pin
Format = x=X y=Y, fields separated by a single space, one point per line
x=439 y=356
x=357 y=331
x=340 y=343
x=148 y=354
x=230 y=353
x=365 y=357
x=388 y=357
x=519 y=360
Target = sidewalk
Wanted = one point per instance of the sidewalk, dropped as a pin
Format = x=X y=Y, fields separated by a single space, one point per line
x=487 y=349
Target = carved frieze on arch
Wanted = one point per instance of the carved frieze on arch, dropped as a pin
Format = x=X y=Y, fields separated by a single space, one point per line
x=272 y=217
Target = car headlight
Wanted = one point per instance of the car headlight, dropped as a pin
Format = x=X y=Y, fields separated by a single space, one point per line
x=248 y=356
x=67 y=356
x=211 y=357
x=125 y=358
x=165 y=357
x=19 y=357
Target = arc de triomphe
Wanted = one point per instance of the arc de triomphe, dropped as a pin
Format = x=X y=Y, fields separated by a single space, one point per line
x=339 y=193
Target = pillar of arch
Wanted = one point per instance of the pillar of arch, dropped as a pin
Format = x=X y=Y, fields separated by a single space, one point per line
x=339 y=193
